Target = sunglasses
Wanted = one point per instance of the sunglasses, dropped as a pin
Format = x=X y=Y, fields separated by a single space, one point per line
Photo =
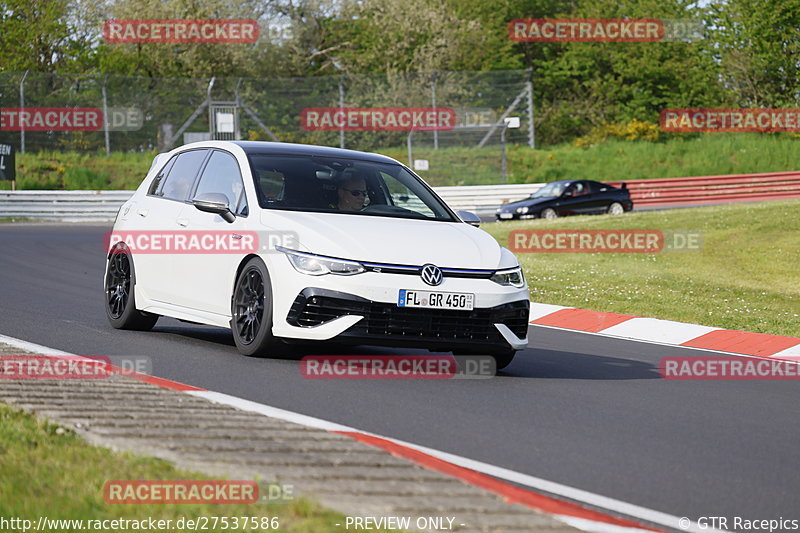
x=356 y=192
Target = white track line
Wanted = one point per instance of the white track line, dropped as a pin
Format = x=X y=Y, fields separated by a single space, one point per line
x=31 y=347
x=596 y=500
x=565 y=491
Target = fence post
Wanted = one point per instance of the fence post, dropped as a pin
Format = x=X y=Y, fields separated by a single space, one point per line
x=410 y=152
x=504 y=157
x=433 y=102
x=105 y=116
x=22 y=106
x=341 y=108
x=531 y=138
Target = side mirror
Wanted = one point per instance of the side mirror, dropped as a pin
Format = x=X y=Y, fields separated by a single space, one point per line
x=568 y=194
x=214 y=202
x=470 y=218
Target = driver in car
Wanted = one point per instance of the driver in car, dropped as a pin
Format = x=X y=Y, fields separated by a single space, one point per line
x=351 y=194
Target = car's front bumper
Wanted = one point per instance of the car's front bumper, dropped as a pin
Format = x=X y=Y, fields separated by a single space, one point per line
x=362 y=309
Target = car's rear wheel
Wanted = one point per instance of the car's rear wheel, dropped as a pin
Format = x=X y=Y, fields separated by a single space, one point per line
x=549 y=214
x=120 y=299
x=615 y=209
x=251 y=311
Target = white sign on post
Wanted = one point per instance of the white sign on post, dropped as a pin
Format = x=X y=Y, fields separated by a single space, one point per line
x=511 y=122
x=225 y=122
x=420 y=164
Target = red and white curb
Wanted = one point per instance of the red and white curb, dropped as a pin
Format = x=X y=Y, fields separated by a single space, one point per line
x=666 y=332
x=578 y=508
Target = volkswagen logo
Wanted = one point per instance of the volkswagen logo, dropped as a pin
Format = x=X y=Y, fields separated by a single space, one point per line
x=432 y=275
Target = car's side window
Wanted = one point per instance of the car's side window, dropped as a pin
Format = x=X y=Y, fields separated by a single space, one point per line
x=157 y=181
x=579 y=188
x=181 y=176
x=402 y=196
x=595 y=187
x=222 y=175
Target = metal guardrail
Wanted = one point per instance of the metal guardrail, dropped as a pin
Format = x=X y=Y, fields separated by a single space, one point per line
x=484 y=199
x=480 y=199
x=714 y=189
x=68 y=206
x=92 y=206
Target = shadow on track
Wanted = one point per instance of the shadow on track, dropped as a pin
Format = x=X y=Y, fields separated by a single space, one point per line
x=553 y=364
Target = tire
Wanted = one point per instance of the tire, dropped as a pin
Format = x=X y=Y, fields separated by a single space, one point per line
x=120 y=303
x=548 y=214
x=615 y=209
x=504 y=358
x=251 y=312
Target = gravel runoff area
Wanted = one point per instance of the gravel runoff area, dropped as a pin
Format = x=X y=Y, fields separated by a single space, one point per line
x=126 y=414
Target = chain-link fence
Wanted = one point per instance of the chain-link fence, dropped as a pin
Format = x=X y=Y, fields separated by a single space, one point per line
x=43 y=111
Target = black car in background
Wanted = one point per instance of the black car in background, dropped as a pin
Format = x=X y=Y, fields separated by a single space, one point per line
x=569 y=197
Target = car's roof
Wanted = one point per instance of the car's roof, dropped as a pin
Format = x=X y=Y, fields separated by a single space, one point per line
x=573 y=181
x=278 y=148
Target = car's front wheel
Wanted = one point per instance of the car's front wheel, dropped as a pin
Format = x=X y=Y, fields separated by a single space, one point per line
x=615 y=209
x=549 y=214
x=504 y=358
x=119 y=288
x=251 y=311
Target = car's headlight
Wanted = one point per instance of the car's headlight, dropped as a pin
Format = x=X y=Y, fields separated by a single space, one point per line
x=510 y=277
x=523 y=210
x=317 y=265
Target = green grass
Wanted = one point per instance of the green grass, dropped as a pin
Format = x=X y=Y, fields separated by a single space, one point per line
x=745 y=276
x=691 y=155
x=76 y=171
x=49 y=471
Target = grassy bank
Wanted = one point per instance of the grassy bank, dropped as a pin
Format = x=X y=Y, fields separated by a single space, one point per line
x=53 y=473
x=611 y=160
x=745 y=275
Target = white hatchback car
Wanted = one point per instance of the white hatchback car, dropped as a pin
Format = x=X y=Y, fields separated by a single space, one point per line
x=284 y=242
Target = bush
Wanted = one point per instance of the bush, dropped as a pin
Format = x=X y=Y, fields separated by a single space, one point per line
x=635 y=130
x=81 y=178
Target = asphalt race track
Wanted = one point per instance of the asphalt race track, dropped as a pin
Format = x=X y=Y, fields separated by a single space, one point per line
x=578 y=409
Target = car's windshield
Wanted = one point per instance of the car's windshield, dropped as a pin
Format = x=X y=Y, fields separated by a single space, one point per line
x=336 y=185
x=550 y=190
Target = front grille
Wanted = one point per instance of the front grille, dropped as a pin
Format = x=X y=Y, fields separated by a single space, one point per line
x=411 y=270
x=389 y=321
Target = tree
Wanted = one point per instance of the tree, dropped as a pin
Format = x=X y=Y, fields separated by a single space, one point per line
x=758 y=50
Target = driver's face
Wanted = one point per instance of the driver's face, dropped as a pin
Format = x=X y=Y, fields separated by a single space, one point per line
x=352 y=195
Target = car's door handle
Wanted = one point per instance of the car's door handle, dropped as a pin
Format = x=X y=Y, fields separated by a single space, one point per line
x=142 y=212
x=183 y=222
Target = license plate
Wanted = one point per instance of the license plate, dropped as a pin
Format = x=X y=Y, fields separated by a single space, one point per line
x=435 y=300
x=506 y=215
